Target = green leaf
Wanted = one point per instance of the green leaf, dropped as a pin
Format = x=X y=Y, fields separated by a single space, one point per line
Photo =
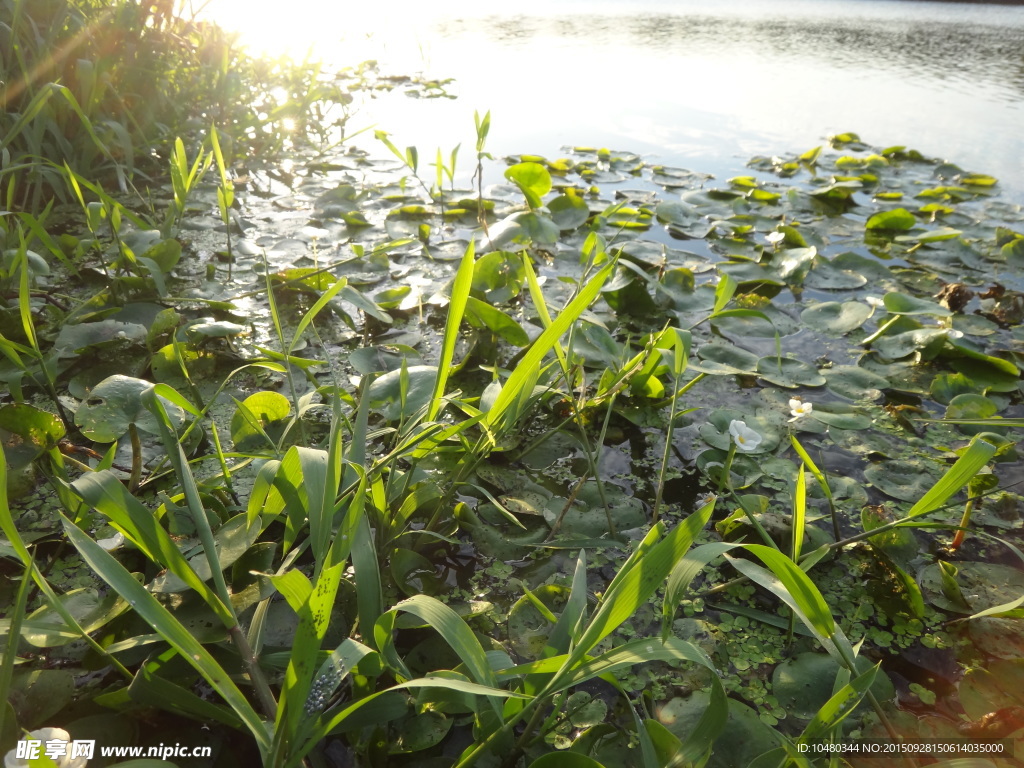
x=483 y=315
x=905 y=304
x=897 y=218
x=569 y=211
x=533 y=179
x=530 y=364
x=979 y=452
x=842 y=704
x=158 y=617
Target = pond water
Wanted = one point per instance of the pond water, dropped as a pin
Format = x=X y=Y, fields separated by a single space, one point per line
x=692 y=82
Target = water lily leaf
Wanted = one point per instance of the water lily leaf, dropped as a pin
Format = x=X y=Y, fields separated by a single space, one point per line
x=413 y=573
x=825 y=276
x=974 y=325
x=586 y=516
x=987 y=374
x=528 y=629
x=232 y=540
x=45 y=628
x=115 y=403
x=165 y=254
x=983 y=585
x=40 y=694
x=421 y=732
x=483 y=315
x=744 y=322
x=533 y=179
x=789 y=373
x=386 y=392
x=946 y=386
x=744 y=737
x=840 y=415
x=973 y=406
x=903 y=480
x=76 y=339
x=836 y=318
x=498 y=276
x=569 y=211
x=32 y=431
x=259 y=411
x=725 y=359
x=998 y=637
x=926 y=340
x=521 y=227
x=854 y=382
x=747 y=272
x=896 y=219
x=803 y=683
x=905 y=304
x=381 y=359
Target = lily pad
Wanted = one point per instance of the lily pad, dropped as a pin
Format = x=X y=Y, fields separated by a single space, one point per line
x=31 y=431
x=803 y=683
x=903 y=480
x=836 y=318
x=789 y=373
x=45 y=628
x=528 y=630
x=267 y=409
x=983 y=585
x=854 y=382
x=77 y=339
x=386 y=392
x=743 y=738
x=115 y=403
x=725 y=359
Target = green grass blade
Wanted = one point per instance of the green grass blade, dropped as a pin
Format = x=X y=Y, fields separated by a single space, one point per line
x=104 y=492
x=977 y=455
x=200 y=520
x=799 y=522
x=566 y=629
x=314 y=617
x=531 y=361
x=169 y=628
x=315 y=310
x=624 y=598
x=836 y=709
x=455 y=632
x=456 y=310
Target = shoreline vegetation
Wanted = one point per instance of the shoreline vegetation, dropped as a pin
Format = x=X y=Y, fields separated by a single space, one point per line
x=325 y=457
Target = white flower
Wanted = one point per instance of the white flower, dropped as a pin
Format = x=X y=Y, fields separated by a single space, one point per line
x=799 y=408
x=111 y=543
x=745 y=438
x=874 y=301
x=44 y=735
x=775 y=237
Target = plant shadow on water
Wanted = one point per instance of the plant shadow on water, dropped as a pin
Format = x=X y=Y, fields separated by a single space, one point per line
x=658 y=465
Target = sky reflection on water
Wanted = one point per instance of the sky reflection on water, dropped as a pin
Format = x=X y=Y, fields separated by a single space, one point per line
x=702 y=84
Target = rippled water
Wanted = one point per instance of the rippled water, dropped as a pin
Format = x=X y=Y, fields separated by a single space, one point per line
x=703 y=84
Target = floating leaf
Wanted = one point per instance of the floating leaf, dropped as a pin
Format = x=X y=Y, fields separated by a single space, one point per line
x=836 y=318
x=115 y=403
x=903 y=480
x=854 y=382
x=896 y=219
x=790 y=373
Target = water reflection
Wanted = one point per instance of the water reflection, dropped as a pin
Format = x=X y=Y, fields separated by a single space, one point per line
x=703 y=83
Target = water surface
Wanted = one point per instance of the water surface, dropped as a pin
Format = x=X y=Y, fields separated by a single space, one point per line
x=690 y=82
